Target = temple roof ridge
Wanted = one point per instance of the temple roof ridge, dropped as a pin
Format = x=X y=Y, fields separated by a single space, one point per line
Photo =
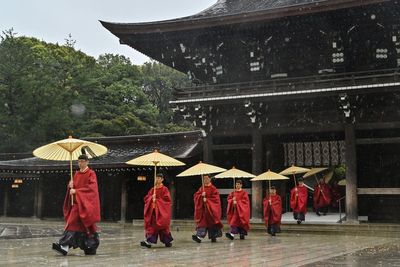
x=227 y=8
x=232 y=7
x=225 y=12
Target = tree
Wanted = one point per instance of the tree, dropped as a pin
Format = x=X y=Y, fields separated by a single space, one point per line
x=49 y=91
x=38 y=85
x=158 y=82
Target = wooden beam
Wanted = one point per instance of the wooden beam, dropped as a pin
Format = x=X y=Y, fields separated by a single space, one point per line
x=235 y=132
x=378 y=125
x=385 y=140
x=231 y=147
x=297 y=130
x=378 y=191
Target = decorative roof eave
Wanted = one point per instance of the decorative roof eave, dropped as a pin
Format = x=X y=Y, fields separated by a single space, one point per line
x=193 y=23
x=305 y=92
x=148 y=138
x=121 y=149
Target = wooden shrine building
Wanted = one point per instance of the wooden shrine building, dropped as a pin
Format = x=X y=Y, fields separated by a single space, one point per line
x=304 y=82
x=42 y=183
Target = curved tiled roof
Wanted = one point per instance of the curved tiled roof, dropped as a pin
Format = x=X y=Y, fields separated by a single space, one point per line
x=231 y=7
x=121 y=149
x=235 y=11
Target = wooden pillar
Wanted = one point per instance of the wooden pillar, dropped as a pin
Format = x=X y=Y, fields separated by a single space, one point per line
x=102 y=187
x=38 y=201
x=256 y=187
x=123 y=199
x=351 y=174
x=172 y=191
x=207 y=149
x=5 y=204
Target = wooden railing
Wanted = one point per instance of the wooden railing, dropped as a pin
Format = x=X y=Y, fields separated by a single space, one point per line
x=288 y=84
x=378 y=191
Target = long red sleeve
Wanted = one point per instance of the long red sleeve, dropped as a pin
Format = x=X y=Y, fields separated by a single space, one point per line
x=239 y=214
x=86 y=198
x=299 y=203
x=273 y=210
x=162 y=208
x=207 y=214
x=322 y=195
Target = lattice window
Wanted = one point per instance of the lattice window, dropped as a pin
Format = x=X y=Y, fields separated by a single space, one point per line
x=299 y=154
x=312 y=154
x=308 y=160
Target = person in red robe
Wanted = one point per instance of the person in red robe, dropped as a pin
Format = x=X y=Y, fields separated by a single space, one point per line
x=336 y=194
x=81 y=217
x=207 y=212
x=322 y=197
x=272 y=211
x=298 y=201
x=238 y=212
x=157 y=215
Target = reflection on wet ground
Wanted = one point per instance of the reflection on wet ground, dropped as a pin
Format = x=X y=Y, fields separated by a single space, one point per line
x=25 y=244
x=383 y=255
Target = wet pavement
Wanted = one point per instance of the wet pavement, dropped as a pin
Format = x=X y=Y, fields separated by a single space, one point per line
x=383 y=255
x=17 y=231
x=26 y=244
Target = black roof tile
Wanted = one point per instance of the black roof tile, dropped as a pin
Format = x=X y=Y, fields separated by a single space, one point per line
x=232 y=7
x=121 y=149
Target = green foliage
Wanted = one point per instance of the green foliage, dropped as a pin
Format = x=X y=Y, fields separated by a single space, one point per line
x=158 y=82
x=49 y=91
x=340 y=172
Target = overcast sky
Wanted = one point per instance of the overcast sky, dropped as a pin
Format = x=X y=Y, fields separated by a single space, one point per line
x=53 y=20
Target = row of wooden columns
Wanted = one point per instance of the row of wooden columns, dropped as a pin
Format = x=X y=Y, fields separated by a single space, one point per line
x=37 y=200
x=256 y=188
x=256 y=196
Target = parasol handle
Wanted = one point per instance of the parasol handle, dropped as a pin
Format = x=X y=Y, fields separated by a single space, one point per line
x=234 y=189
x=155 y=176
x=295 y=185
x=202 y=184
x=320 y=189
x=154 y=188
x=269 y=192
x=72 y=178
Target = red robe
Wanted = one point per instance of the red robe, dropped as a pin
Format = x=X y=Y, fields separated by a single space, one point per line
x=299 y=203
x=274 y=209
x=207 y=214
x=239 y=215
x=336 y=195
x=161 y=210
x=322 y=195
x=83 y=215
